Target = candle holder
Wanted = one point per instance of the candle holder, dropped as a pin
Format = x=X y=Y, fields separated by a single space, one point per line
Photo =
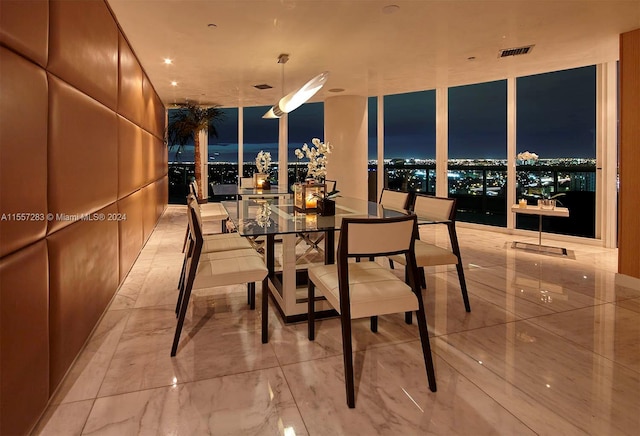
x=260 y=181
x=306 y=196
x=522 y=203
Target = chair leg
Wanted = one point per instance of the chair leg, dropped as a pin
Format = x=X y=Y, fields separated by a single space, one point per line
x=423 y=278
x=374 y=323
x=265 y=310
x=408 y=318
x=183 y=311
x=348 y=361
x=426 y=348
x=186 y=237
x=311 y=315
x=391 y=264
x=251 y=290
x=463 y=287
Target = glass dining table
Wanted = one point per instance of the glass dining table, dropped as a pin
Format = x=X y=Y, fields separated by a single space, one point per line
x=283 y=228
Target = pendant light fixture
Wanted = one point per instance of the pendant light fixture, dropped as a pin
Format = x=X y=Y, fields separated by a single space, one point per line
x=295 y=99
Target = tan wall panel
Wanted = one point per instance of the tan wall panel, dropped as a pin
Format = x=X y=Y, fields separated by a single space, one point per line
x=84 y=48
x=24 y=26
x=154 y=110
x=130 y=230
x=149 y=154
x=131 y=166
x=83 y=153
x=24 y=338
x=149 y=219
x=161 y=165
x=23 y=151
x=83 y=265
x=162 y=196
x=629 y=212
x=130 y=105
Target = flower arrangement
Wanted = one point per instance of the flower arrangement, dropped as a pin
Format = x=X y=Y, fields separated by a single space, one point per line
x=263 y=161
x=527 y=157
x=317 y=155
x=263 y=216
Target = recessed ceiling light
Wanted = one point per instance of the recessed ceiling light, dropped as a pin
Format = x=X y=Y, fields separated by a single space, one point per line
x=168 y=61
x=336 y=90
x=212 y=25
x=390 y=9
x=174 y=83
x=471 y=58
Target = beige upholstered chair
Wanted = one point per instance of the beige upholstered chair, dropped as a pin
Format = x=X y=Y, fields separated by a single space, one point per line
x=394 y=199
x=359 y=290
x=246 y=182
x=213 y=243
x=208 y=270
x=210 y=211
x=444 y=209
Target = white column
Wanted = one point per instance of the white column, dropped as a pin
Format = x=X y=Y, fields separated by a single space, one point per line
x=283 y=152
x=607 y=154
x=345 y=126
x=442 y=142
x=511 y=151
x=204 y=161
x=380 y=131
x=240 y=142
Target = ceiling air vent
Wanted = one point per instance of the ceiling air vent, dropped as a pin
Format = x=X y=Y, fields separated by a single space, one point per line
x=263 y=86
x=506 y=52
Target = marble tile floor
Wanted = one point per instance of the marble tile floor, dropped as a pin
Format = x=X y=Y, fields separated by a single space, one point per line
x=551 y=346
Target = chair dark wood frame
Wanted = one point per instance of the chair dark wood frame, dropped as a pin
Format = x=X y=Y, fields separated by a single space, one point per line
x=345 y=305
x=194 y=248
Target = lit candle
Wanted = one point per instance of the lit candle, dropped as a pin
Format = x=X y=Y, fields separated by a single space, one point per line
x=311 y=202
x=522 y=203
x=260 y=183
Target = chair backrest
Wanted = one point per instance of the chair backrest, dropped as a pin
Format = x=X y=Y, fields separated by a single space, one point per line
x=246 y=182
x=440 y=208
x=193 y=188
x=195 y=238
x=394 y=199
x=361 y=237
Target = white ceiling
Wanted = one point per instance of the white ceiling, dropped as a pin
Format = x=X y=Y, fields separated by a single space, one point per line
x=423 y=45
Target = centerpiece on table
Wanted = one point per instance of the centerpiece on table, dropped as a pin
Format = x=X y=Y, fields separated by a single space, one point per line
x=307 y=193
x=261 y=178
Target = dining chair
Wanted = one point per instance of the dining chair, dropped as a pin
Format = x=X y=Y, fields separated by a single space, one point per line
x=444 y=209
x=246 y=183
x=213 y=243
x=208 y=270
x=208 y=211
x=394 y=199
x=367 y=289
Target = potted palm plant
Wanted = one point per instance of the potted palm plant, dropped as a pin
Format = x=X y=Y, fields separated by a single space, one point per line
x=186 y=123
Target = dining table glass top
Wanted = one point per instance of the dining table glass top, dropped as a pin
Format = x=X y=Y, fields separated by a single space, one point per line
x=255 y=217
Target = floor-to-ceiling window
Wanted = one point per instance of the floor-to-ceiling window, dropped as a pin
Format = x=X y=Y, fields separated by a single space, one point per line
x=556 y=125
x=259 y=134
x=305 y=123
x=477 y=165
x=409 y=141
x=372 y=147
x=223 y=149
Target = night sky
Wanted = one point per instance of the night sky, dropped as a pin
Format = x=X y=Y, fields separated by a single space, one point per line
x=555 y=112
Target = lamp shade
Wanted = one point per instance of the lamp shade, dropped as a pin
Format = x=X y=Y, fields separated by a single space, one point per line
x=295 y=99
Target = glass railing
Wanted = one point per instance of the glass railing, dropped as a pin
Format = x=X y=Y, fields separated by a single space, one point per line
x=479 y=190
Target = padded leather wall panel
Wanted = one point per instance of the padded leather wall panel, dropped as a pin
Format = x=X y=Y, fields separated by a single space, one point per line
x=154 y=110
x=163 y=195
x=130 y=230
x=83 y=264
x=83 y=48
x=149 y=218
x=24 y=26
x=24 y=338
x=130 y=105
x=23 y=151
x=83 y=153
x=131 y=165
x=161 y=165
x=149 y=154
